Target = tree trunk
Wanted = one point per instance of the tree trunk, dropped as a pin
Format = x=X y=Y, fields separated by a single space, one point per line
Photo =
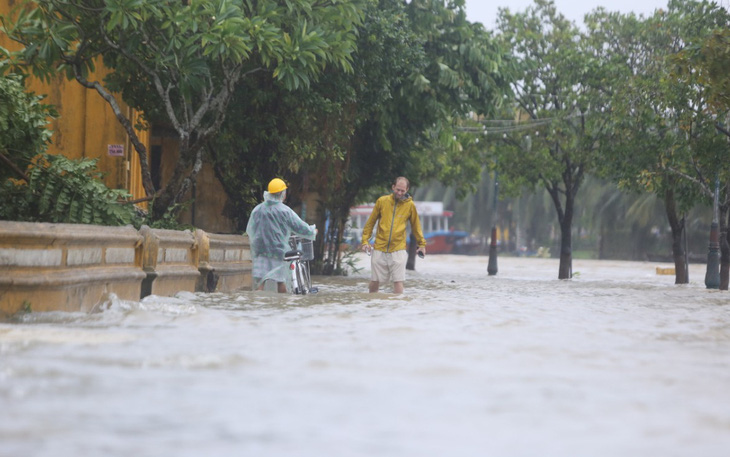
x=601 y=240
x=126 y=124
x=165 y=199
x=681 y=275
x=341 y=222
x=724 y=263
x=565 y=218
x=188 y=165
x=14 y=167
x=565 y=270
x=724 y=247
x=335 y=211
x=321 y=253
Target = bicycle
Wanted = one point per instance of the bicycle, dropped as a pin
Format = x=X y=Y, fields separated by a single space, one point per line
x=300 y=255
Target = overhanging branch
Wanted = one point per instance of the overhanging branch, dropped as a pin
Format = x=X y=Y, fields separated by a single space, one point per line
x=722 y=130
x=14 y=167
x=702 y=185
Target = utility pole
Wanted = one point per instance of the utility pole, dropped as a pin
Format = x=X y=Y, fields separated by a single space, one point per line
x=492 y=266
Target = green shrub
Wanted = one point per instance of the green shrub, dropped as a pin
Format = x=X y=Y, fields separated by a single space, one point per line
x=64 y=190
x=38 y=187
x=23 y=120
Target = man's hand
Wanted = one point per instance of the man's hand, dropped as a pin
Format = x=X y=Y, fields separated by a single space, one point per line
x=421 y=251
x=367 y=248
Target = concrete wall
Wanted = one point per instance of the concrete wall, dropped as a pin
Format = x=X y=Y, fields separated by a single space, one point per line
x=66 y=267
x=72 y=267
x=224 y=262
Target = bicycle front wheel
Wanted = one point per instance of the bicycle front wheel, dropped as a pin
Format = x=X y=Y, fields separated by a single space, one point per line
x=306 y=276
x=300 y=279
x=296 y=284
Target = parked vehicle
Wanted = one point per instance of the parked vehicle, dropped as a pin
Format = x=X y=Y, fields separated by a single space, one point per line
x=443 y=241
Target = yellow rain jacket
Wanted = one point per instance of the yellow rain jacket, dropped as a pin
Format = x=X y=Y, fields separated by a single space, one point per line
x=393 y=216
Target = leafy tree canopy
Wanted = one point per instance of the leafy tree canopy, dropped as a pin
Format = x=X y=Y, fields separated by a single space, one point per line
x=180 y=61
x=23 y=131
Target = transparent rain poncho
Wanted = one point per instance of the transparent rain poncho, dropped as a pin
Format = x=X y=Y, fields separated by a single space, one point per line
x=269 y=228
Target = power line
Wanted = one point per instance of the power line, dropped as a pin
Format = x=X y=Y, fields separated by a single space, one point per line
x=496 y=126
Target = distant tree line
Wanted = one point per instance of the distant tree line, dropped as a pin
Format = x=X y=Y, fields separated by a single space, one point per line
x=640 y=102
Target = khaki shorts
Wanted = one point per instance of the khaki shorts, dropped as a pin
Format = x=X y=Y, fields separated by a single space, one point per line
x=389 y=266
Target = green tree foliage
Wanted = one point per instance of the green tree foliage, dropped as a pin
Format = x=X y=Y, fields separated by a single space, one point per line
x=306 y=135
x=662 y=138
x=180 y=61
x=710 y=59
x=467 y=73
x=454 y=69
x=555 y=140
x=23 y=132
x=703 y=65
x=273 y=131
x=417 y=68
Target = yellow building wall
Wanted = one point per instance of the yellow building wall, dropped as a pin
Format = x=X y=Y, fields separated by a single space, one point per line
x=86 y=126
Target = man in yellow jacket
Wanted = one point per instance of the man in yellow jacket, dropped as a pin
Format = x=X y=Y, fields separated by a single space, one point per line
x=389 y=256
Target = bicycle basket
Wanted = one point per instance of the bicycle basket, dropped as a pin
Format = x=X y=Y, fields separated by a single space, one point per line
x=307 y=248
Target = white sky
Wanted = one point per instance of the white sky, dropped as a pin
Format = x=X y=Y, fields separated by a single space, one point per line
x=485 y=11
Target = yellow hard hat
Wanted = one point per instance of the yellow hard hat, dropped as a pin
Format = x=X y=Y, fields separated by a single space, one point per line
x=276 y=185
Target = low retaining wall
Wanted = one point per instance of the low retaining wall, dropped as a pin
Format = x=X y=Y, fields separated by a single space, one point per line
x=73 y=267
x=168 y=260
x=66 y=267
x=224 y=262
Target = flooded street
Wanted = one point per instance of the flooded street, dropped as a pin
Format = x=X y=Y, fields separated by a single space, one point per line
x=618 y=361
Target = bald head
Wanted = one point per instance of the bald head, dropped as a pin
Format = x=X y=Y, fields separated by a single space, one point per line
x=404 y=179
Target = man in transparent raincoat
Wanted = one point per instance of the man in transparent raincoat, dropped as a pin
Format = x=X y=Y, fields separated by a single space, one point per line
x=269 y=228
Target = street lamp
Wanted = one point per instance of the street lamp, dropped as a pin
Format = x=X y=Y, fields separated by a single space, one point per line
x=712 y=277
